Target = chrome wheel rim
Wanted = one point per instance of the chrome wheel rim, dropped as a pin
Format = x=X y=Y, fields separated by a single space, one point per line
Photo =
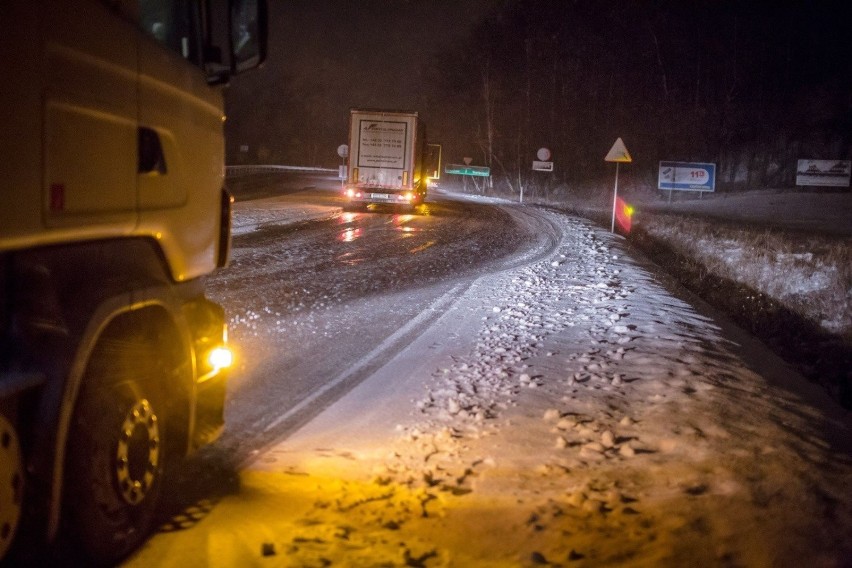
x=11 y=484
x=138 y=452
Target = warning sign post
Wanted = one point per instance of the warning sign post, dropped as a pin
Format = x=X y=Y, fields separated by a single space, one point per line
x=618 y=154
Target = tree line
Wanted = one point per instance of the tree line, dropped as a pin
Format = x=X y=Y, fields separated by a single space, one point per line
x=752 y=86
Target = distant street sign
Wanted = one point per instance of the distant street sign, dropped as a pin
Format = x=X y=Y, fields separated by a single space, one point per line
x=687 y=176
x=542 y=166
x=461 y=170
x=828 y=173
x=618 y=153
x=468 y=161
x=543 y=154
x=343 y=150
x=342 y=172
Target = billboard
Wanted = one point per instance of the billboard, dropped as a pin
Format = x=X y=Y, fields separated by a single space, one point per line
x=687 y=176
x=828 y=173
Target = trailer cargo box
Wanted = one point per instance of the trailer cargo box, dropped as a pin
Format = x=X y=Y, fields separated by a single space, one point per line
x=386 y=150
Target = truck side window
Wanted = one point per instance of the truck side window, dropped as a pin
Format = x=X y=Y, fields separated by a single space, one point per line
x=175 y=24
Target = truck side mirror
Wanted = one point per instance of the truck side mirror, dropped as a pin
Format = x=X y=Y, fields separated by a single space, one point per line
x=248 y=27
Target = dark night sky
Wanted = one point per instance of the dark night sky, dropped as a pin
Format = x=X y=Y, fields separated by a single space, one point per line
x=376 y=48
x=334 y=55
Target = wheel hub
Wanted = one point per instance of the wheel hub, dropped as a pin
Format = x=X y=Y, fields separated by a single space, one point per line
x=11 y=484
x=138 y=452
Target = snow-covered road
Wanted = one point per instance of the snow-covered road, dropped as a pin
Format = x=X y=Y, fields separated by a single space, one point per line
x=316 y=307
x=575 y=410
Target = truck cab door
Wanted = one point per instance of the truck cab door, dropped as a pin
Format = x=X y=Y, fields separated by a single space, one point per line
x=181 y=140
x=90 y=111
x=180 y=121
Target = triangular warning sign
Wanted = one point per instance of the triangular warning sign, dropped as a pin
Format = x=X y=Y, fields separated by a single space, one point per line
x=618 y=152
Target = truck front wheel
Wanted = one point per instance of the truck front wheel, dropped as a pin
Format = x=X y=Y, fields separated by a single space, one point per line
x=116 y=453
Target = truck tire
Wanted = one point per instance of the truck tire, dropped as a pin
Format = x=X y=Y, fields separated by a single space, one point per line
x=11 y=485
x=116 y=453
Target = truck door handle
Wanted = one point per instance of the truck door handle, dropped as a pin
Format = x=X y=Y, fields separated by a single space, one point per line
x=151 y=158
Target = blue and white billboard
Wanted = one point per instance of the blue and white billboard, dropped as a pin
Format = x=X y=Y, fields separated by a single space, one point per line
x=687 y=176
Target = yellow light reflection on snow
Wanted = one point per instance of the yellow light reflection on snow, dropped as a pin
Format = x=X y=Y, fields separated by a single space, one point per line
x=422 y=247
x=349 y=235
x=401 y=221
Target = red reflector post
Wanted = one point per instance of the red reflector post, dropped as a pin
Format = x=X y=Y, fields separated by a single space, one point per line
x=623 y=214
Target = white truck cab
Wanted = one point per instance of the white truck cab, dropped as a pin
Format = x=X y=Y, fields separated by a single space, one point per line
x=114 y=211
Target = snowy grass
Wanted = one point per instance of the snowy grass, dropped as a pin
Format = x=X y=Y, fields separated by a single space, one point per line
x=811 y=275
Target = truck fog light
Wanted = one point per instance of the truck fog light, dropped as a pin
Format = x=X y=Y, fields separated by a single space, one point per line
x=220 y=358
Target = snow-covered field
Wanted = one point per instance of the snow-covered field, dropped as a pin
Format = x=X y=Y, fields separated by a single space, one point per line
x=793 y=247
x=573 y=411
x=809 y=211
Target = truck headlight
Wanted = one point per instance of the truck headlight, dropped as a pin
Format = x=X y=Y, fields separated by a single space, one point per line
x=220 y=358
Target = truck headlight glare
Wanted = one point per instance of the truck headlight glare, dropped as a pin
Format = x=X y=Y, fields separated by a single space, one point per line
x=220 y=358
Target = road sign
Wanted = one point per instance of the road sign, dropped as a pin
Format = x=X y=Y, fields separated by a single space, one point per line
x=542 y=166
x=343 y=150
x=461 y=170
x=543 y=154
x=618 y=153
x=687 y=176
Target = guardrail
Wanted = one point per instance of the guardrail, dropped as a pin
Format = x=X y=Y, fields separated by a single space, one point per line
x=237 y=171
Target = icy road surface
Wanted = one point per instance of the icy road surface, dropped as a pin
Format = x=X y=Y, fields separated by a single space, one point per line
x=567 y=410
